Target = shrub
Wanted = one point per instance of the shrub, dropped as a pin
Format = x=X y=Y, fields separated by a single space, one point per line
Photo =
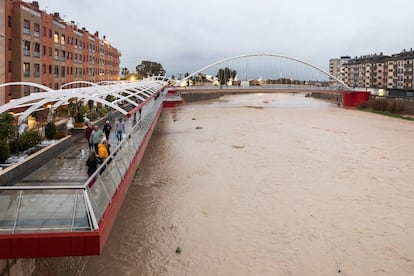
x=380 y=104
x=28 y=139
x=50 y=131
x=79 y=117
x=102 y=112
x=93 y=115
x=14 y=145
x=7 y=128
x=4 y=151
x=363 y=105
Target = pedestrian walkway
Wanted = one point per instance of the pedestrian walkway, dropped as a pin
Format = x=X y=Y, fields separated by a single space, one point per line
x=69 y=167
x=56 y=211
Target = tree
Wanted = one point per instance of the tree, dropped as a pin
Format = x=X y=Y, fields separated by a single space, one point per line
x=125 y=72
x=149 y=68
x=224 y=75
x=7 y=127
x=50 y=130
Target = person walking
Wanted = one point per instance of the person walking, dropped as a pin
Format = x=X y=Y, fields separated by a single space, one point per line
x=107 y=129
x=96 y=137
x=88 y=131
x=103 y=150
x=92 y=163
x=119 y=129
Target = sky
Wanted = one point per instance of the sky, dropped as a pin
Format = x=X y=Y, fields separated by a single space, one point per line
x=187 y=35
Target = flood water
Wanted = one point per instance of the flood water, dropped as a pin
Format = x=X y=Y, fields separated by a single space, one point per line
x=268 y=184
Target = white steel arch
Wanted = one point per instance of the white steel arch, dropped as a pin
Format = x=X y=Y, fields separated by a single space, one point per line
x=263 y=55
x=40 y=86
x=122 y=91
x=78 y=82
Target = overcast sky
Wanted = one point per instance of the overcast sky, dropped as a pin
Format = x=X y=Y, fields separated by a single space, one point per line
x=187 y=35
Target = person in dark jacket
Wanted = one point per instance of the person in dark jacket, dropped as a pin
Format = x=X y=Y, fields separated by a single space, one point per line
x=107 y=129
x=92 y=163
x=88 y=131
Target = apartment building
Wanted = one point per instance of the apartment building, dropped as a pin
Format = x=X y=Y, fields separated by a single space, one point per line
x=394 y=74
x=43 y=48
x=400 y=71
x=366 y=71
x=337 y=69
x=2 y=51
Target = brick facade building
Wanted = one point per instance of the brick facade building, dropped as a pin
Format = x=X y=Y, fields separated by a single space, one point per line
x=43 y=48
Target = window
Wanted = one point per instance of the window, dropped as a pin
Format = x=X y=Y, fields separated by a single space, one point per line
x=26 y=27
x=63 y=57
x=36 y=70
x=44 y=31
x=50 y=51
x=9 y=44
x=43 y=68
x=26 y=69
x=36 y=50
x=50 y=71
x=50 y=33
x=36 y=30
x=56 y=37
x=44 y=50
x=26 y=90
x=10 y=66
x=9 y=21
x=62 y=40
x=56 y=54
x=26 y=48
x=62 y=71
x=56 y=71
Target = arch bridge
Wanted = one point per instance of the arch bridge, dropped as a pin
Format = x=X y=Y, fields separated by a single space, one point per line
x=64 y=219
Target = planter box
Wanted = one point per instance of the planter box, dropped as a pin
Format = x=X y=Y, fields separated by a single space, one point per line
x=19 y=170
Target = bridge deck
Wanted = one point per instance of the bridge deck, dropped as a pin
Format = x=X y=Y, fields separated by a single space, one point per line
x=57 y=211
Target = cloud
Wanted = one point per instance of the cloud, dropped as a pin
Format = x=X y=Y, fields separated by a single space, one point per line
x=187 y=35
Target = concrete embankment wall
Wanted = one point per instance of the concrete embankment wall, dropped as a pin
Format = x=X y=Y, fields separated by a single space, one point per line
x=20 y=170
x=327 y=96
x=200 y=96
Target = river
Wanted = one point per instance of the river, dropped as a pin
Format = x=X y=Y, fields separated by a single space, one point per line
x=268 y=184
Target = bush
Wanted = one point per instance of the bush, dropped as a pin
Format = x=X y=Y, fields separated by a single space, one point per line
x=28 y=139
x=93 y=115
x=4 y=151
x=14 y=145
x=79 y=117
x=50 y=131
x=379 y=104
x=363 y=105
x=7 y=127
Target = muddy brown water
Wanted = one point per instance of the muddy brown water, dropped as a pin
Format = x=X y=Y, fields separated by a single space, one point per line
x=267 y=184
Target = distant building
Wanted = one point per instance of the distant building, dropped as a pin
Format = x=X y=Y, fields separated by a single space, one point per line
x=336 y=69
x=2 y=52
x=394 y=74
x=366 y=71
x=43 y=48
